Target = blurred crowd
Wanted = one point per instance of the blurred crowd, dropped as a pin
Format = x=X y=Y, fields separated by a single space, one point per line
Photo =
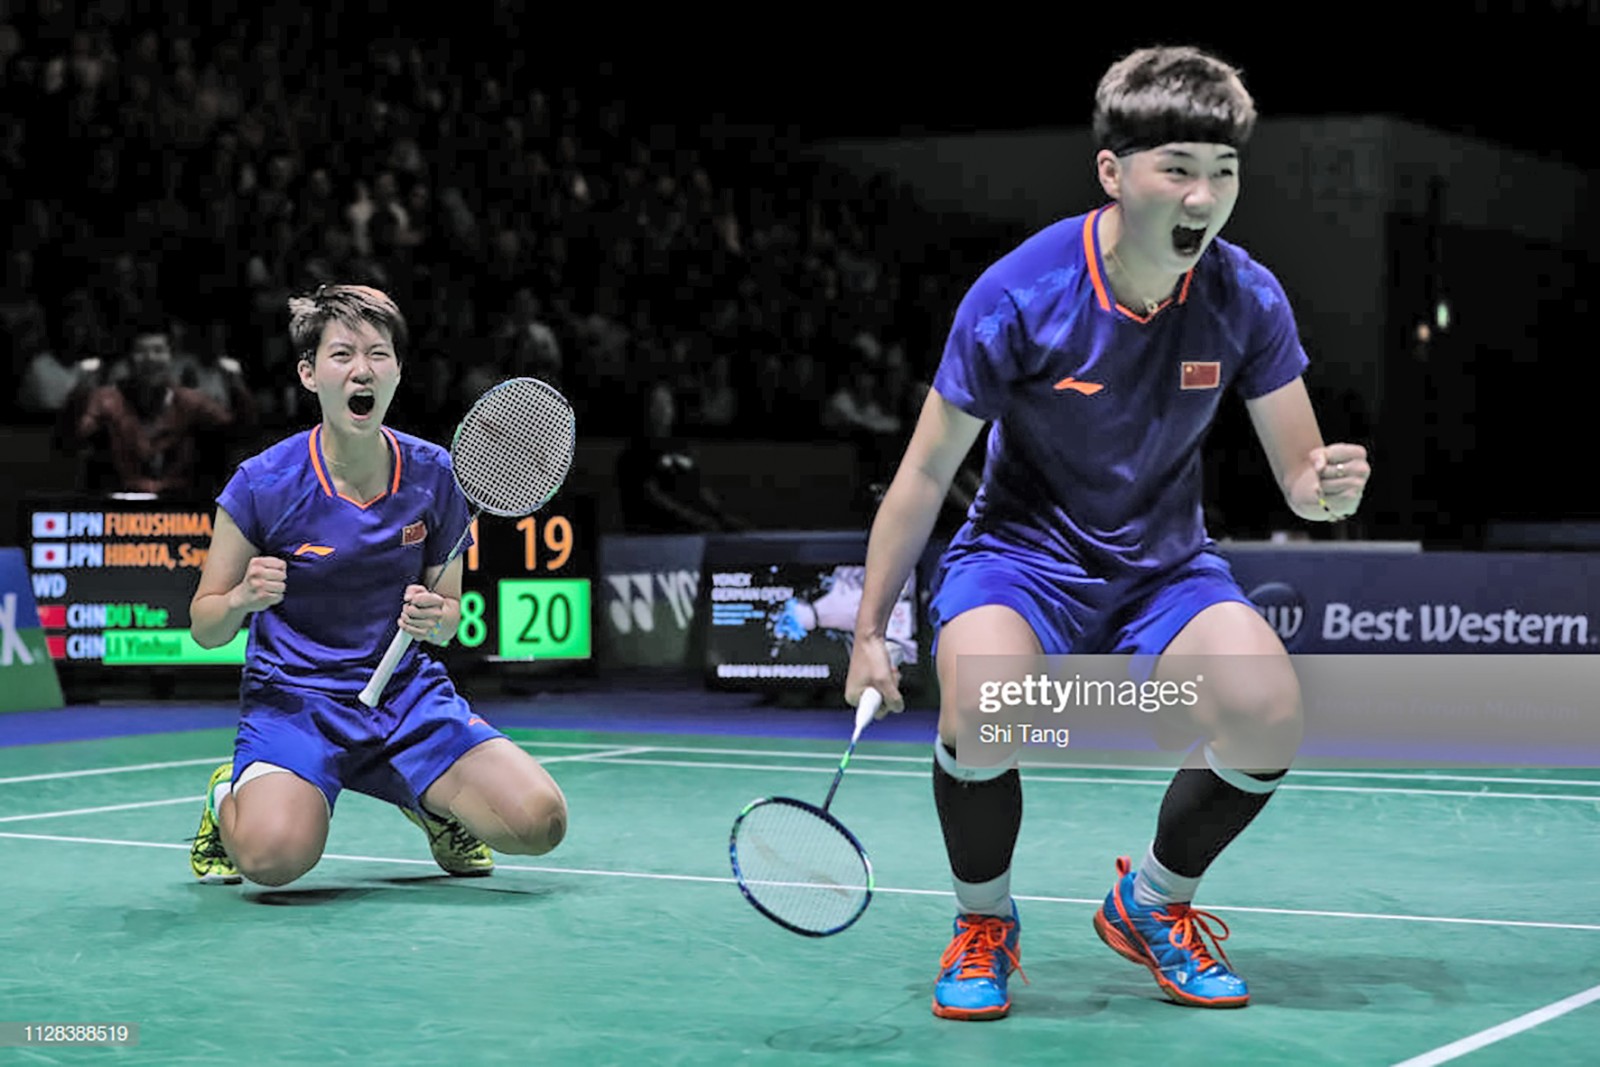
x=180 y=169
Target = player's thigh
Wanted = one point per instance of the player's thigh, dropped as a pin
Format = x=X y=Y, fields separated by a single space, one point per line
x=278 y=825
x=286 y=778
x=979 y=650
x=1241 y=674
x=504 y=796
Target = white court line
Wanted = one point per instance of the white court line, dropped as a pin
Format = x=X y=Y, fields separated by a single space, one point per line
x=105 y=808
x=1482 y=1038
x=590 y=872
x=604 y=755
x=188 y=800
x=214 y=760
x=1165 y=769
x=113 y=770
x=612 y=757
x=859 y=757
x=1079 y=780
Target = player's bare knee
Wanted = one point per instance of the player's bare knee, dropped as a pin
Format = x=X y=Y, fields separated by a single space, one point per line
x=546 y=831
x=1270 y=707
x=1267 y=713
x=269 y=866
x=540 y=827
x=979 y=750
x=272 y=848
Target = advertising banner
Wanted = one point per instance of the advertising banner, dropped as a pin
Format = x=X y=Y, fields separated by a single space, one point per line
x=1512 y=603
x=648 y=589
x=28 y=679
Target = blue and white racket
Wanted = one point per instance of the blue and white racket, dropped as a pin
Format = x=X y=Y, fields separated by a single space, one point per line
x=798 y=864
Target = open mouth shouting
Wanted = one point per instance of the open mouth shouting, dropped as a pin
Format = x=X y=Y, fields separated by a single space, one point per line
x=361 y=404
x=1186 y=240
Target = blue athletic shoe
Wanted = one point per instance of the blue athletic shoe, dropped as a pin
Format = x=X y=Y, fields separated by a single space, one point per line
x=1170 y=940
x=975 y=967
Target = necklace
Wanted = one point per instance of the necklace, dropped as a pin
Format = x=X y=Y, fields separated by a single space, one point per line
x=1150 y=306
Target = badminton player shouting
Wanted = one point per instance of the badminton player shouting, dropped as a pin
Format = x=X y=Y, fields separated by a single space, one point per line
x=320 y=543
x=1100 y=349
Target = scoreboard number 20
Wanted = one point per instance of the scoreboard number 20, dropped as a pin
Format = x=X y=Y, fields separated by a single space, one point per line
x=541 y=613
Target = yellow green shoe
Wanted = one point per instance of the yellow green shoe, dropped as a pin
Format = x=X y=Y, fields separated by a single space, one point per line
x=454 y=848
x=207 y=858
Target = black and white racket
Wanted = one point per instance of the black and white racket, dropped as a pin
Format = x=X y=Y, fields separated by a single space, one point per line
x=797 y=863
x=510 y=455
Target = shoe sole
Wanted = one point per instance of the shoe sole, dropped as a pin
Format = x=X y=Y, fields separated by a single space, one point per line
x=1118 y=943
x=971 y=1015
x=219 y=879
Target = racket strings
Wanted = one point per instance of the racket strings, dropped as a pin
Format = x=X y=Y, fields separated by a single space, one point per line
x=800 y=867
x=513 y=450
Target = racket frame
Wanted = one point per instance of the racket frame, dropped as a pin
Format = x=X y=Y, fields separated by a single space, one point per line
x=837 y=826
x=866 y=710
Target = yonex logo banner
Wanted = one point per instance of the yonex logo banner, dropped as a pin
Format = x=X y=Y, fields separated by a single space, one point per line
x=28 y=679
x=1362 y=711
x=650 y=586
x=1398 y=602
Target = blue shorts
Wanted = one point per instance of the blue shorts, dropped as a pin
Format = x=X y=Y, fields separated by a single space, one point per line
x=393 y=752
x=1072 y=612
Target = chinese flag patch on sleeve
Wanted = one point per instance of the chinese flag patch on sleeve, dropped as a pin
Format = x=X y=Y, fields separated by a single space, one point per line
x=1201 y=375
x=414 y=534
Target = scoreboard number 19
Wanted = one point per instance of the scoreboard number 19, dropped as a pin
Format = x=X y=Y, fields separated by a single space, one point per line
x=541 y=615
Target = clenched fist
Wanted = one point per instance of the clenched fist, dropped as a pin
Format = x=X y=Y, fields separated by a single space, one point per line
x=262 y=586
x=1342 y=472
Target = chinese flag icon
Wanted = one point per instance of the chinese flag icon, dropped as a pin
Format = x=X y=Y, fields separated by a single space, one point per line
x=1201 y=375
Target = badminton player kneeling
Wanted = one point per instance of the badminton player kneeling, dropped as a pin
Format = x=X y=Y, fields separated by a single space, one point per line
x=1101 y=348
x=318 y=542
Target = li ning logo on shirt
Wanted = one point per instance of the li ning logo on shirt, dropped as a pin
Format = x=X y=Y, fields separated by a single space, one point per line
x=1074 y=385
x=414 y=534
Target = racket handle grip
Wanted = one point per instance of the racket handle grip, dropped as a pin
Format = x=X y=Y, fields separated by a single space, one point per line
x=385 y=671
x=871 y=701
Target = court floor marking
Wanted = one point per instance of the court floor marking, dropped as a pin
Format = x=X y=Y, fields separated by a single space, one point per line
x=603 y=756
x=1149 y=768
x=104 y=808
x=91 y=772
x=865 y=757
x=1473 y=1042
x=590 y=872
x=614 y=755
x=1078 y=780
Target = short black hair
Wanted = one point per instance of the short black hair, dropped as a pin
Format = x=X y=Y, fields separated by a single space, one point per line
x=309 y=314
x=1163 y=95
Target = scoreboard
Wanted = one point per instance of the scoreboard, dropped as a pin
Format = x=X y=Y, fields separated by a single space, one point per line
x=113 y=579
x=527 y=584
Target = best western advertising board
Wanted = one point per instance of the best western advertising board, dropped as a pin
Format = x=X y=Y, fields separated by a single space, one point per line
x=28 y=679
x=1435 y=602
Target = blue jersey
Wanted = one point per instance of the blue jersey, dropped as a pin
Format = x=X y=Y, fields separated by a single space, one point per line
x=349 y=563
x=1099 y=413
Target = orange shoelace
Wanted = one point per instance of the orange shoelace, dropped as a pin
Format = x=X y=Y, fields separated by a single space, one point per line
x=1190 y=928
x=980 y=937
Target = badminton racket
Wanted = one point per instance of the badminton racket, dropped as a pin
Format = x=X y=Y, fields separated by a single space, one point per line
x=797 y=863
x=510 y=455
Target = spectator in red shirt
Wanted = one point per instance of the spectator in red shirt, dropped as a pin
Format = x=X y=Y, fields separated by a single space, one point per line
x=148 y=432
